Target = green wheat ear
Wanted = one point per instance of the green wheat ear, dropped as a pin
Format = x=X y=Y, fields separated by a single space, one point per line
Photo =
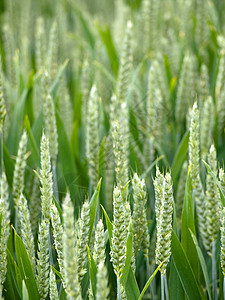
x=2 y=98
x=58 y=236
x=120 y=148
x=207 y=122
x=119 y=233
x=85 y=88
x=99 y=246
x=140 y=227
x=184 y=99
x=220 y=79
x=125 y=65
x=46 y=178
x=212 y=201
x=83 y=236
x=19 y=170
x=222 y=239
x=203 y=88
x=43 y=259
x=53 y=292
x=164 y=211
x=35 y=205
x=52 y=52
x=25 y=227
x=194 y=161
x=70 y=263
x=66 y=108
x=40 y=44
x=50 y=120
x=222 y=179
x=4 y=231
x=102 y=290
x=92 y=136
x=181 y=191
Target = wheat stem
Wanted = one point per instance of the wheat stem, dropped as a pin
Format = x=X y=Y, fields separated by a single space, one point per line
x=224 y=287
x=118 y=288
x=166 y=287
x=162 y=287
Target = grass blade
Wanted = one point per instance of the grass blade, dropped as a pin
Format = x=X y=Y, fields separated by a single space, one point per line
x=184 y=269
x=25 y=268
x=149 y=281
x=93 y=207
x=203 y=264
x=179 y=157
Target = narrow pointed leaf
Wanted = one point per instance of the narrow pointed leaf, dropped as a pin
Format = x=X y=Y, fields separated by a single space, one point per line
x=129 y=253
x=150 y=280
x=188 y=221
x=25 y=295
x=93 y=207
x=184 y=269
x=93 y=271
x=109 y=225
x=25 y=268
x=203 y=264
x=132 y=290
x=180 y=156
x=222 y=196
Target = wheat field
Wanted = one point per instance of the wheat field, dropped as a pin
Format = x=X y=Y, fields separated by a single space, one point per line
x=112 y=129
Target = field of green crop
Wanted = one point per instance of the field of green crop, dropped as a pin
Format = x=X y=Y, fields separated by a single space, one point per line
x=112 y=130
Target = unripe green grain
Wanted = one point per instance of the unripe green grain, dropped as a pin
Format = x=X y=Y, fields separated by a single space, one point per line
x=93 y=136
x=53 y=292
x=164 y=213
x=203 y=88
x=181 y=191
x=118 y=251
x=66 y=109
x=52 y=51
x=46 y=178
x=85 y=88
x=50 y=121
x=125 y=65
x=212 y=201
x=9 y=46
x=139 y=219
x=2 y=98
x=221 y=111
x=40 y=44
x=201 y=23
x=222 y=239
x=102 y=290
x=43 y=259
x=120 y=148
x=127 y=220
x=185 y=85
x=20 y=165
x=83 y=236
x=207 y=123
x=25 y=227
x=35 y=205
x=222 y=179
x=4 y=234
x=70 y=263
x=58 y=235
x=194 y=160
x=99 y=246
x=220 y=79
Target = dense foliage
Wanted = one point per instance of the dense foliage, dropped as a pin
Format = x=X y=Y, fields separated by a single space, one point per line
x=112 y=118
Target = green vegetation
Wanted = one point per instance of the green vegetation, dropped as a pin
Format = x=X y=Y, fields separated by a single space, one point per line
x=112 y=129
